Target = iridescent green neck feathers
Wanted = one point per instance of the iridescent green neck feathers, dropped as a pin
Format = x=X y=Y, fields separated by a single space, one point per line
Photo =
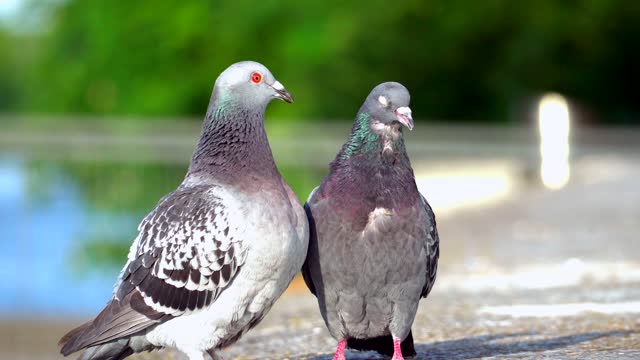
x=364 y=139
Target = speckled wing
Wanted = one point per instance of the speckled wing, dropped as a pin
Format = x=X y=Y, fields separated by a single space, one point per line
x=187 y=252
x=432 y=247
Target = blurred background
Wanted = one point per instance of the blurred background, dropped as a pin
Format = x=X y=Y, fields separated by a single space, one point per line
x=526 y=144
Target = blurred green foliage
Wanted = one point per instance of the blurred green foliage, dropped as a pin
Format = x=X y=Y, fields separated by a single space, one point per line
x=135 y=188
x=8 y=83
x=462 y=60
x=124 y=187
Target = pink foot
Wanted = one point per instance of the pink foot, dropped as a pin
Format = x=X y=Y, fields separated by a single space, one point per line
x=342 y=344
x=397 y=352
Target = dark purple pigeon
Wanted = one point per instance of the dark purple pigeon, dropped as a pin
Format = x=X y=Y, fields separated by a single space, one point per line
x=374 y=247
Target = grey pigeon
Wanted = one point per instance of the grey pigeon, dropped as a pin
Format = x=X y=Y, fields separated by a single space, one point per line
x=214 y=255
x=374 y=247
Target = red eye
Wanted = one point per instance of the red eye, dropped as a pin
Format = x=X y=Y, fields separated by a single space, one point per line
x=256 y=77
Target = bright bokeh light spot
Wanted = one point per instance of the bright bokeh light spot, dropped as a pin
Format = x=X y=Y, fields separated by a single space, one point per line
x=554 y=124
x=453 y=187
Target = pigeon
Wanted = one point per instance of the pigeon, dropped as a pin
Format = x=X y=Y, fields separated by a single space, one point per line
x=214 y=255
x=373 y=246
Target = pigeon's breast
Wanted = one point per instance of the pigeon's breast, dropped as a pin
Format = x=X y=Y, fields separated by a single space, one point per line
x=274 y=254
x=277 y=249
x=275 y=235
x=370 y=273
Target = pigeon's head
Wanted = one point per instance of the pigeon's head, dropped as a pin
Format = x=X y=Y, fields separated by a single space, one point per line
x=388 y=103
x=251 y=82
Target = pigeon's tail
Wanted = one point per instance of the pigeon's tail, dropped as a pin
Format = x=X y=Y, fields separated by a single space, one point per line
x=118 y=326
x=383 y=345
x=116 y=350
x=72 y=341
x=75 y=341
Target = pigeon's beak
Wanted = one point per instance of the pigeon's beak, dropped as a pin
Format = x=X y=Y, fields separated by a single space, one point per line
x=281 y=92
x=404 y=116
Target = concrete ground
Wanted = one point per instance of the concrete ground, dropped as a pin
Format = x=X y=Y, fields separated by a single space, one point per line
x=537 y=275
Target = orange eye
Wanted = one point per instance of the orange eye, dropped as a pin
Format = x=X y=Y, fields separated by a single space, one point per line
x=256 y=77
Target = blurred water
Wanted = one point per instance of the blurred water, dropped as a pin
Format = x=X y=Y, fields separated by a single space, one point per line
x=49 y=226
x=67 y=226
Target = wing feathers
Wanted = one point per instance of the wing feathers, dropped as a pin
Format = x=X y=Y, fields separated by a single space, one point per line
x=432 y=245
x=201 y=257
x=187 y=252
x=118 y=319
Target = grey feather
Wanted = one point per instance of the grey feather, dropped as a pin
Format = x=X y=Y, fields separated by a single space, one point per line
x=193 y=245
x=111 y=351
x=374 y=246
x=182 y=232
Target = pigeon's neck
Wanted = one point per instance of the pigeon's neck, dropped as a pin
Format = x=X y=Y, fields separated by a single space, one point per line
x=233 y=146
x=371 y=170
x=373 y=140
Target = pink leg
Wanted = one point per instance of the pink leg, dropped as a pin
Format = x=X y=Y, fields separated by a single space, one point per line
x=397 y=352
x=342 y=344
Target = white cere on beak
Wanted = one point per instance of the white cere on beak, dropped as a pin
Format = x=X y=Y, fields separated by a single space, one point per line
x=383 y=100
x=404 y=116
x=276 y=85
x=404 y=111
